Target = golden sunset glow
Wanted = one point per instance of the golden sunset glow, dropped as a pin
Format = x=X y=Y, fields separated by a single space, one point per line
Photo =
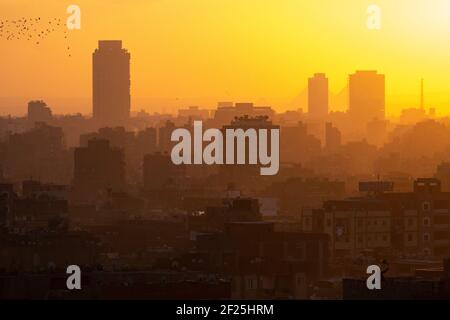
x=202 y=51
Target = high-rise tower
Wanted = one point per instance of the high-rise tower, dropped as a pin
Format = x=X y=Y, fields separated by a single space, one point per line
x=318 y=96
x=111 y=83
x=366 y=96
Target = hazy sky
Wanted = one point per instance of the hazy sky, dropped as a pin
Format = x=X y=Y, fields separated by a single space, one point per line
x=197 y=52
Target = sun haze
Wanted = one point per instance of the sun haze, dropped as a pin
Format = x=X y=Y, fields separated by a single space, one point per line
x=202 y=51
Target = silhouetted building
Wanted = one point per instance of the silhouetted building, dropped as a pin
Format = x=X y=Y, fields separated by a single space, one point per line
x=146 y=140
x=377 y=132
x=40 y=208
x=118 y=137
x=226 y=112
x=297 y=145
x=412 y=115
x=7 y=197
x=295 y=193
x=366 y=96
x=98 y=170
x=165 y=143
x=193 y=113
x=28 y=258
x=38 y=153
x=332 y=137
x=163 y=180
x=38 y=112
x=159 y=171
x=272 y=264
x=264 y=263
x=318 y=96
x=41 y=213
x=111 y=83
x=443 y=174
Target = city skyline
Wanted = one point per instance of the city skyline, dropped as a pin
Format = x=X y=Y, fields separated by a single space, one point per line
x=182 y=54
x=225 y=151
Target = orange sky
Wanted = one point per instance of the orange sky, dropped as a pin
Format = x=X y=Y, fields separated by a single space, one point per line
x=197 y=52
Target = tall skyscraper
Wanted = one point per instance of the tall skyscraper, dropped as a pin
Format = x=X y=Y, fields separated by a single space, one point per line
x=366 y=96
x=111 y=83
x=318 y=96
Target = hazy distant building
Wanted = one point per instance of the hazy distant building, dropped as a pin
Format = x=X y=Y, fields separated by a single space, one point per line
x=194 y=113
x=111 y=83
x=366 y=96
x=38 y=111
x=118 y=137
x=162 y=180
x=443 y=174
x=297 y=145
x=377 y=132
x=318 y=96
x=146 y=140
x=159 y=171
x=412 y=115
x=332 y=137
x=165 y=142
x=37 y=153
x=226 y=112
x=98 y=170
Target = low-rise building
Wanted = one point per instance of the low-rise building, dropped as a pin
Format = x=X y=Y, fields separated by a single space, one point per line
x=415 y=222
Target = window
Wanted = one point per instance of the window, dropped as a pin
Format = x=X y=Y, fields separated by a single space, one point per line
x=426 y=221
x=410 y=221
x=250 y=284
x=426 y=206
x=410 y=237
x=426 y=237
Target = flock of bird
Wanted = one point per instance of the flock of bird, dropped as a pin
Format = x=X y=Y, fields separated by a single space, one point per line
x=34 y=30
